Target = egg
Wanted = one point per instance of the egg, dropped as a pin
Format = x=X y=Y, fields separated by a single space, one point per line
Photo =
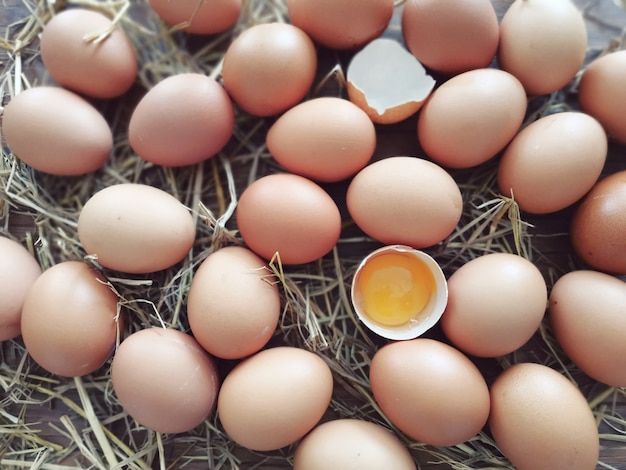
x=326 y=139
x=288 y=215
x=416 y=383
x=587 y=313
x=599 y=223
x=18 y=271
x=451 y=37
x=233 y=304
x=56 y=131
x=135 y=228
x=274 y=398
x=406 y=201
x=83 y=50
x=553 y=162
x=192 y=17
x=183 y=120
x=344 y=444
x=602 y=93
x=541 y=421
x=543 y=43
x=269 y=68
x=164 y=380
x=341 y=24
x=495 y=304
x=70 y=319
x=471 y=117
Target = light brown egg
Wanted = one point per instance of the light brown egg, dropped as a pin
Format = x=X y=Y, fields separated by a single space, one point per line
x=543 y=43
x=553 y=162
x=183 y=120
x=588 y=315
x=55 y=131
x=70 y=319
x=451 y=37
x=599 y=223
x=18 y=271
x=325 y=139
x=164 y=380
x=471 y=117
x=269 y=68
x=602 y=93
x=495 y=304
x=341 y=24
x=416 y=383
x=405 y=201
x=275 y=397
x=289 y=215
x=84 y=51
x=345 y=444
x=192 y=17
x=233 y=304
x=541 y=421
x=135 y=228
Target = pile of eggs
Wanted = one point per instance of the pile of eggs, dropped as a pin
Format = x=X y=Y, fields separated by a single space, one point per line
x=70 y=317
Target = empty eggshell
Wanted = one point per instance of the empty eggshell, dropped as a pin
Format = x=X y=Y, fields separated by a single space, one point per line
x=199 y=18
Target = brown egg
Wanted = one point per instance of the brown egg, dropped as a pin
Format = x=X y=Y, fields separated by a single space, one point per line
x=495 y=304
x=451 y=37
x=274 y=397
x=416 y=383
x=269 y=68
x=543 y=43
x=325 y=139
x=183 y=120
x=289 y=215
x=344 y=444
x=56 y=131
x=199 y=18
x=103 y=66
x=135 y=228
x=70 y=319
x=541 y=421
x=405 y=201
x=164 y=380
x=341 y=24
x=553 y=162
x=471 y=117
x=602 y=93
x=599 y=224
x=233 y=304
x=18 y=271
x=587 y=311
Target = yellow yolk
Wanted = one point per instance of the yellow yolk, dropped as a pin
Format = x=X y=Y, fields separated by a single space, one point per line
x=394 y=288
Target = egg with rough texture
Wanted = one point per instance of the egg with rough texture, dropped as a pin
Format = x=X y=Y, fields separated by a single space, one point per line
x=164 y=380
x=495 y=304
x=56 y=131
x=83 y=50
x=135 y=228
x=70 y=319
x=351 y=443
x=274 y=398
x=233 y=304
x=471 y=117
x=416 y=383
x=206 y=17
x=541 y=421
x=183 y=120
x=406 y=201
x=599 y=223
x=588 y=317
x=553 y=162
x=326 y=139
x=18 y=271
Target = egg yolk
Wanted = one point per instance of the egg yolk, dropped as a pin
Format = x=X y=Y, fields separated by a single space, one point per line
x=394 y=288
